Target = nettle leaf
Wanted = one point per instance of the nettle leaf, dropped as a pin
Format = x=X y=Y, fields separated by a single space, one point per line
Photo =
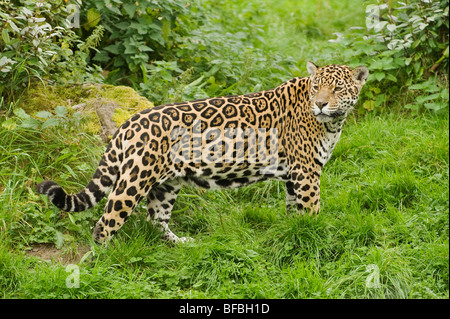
x=426 y=86
x=380 y=99
x=122 y=26
x=391 y=78
x=19 y=112
x=130 y=9
x=140 y=28
x=30 y=123
x=112 y=7
x=44 y=114
x=144 y=48
x=434 y=106
x=113 y=48
x=61 y=111
x=423 y=98
x=166 y=76
x=379 y=76
x=50 y=123
x=101 y=56
x=129 y=49
x=157 y=37
x=414 y=107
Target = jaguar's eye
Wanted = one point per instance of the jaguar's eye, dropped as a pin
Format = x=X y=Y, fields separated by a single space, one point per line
x=338 y=89
x=315 y=87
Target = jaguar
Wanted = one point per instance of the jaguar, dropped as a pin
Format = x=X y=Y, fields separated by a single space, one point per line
x=287 y=133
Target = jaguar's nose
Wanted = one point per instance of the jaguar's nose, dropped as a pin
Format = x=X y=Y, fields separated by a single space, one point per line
x=321 y=104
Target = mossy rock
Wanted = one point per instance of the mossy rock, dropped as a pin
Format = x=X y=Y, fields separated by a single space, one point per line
x=104 y=107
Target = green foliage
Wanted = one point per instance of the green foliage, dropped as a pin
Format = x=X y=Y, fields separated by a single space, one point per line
x=36 y=44
x=27 y=46
x=42 y=119
x=136 y=34
x=172 y=50
x=406 y=51
x=73 y=64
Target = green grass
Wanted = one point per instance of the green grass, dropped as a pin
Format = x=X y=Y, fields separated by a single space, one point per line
x=384 y=199
x=299 y=29
x=384 y=203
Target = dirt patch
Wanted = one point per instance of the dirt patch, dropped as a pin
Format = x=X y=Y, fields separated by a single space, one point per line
x=63 y=256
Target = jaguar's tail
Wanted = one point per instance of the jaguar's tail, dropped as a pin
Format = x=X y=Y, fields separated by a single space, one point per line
x=104 y=178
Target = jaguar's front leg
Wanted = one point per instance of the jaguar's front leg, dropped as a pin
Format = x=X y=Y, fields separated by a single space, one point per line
x=303 y=192
x=290 y=197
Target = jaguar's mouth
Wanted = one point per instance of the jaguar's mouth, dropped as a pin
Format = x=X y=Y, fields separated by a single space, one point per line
x=322 y=117
x=327 y=116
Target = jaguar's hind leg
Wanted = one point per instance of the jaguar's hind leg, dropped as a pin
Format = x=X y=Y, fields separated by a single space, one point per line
x=160 y=201
x=121 y=202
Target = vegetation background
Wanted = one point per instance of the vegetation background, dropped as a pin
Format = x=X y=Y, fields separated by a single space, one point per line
x=384 y=226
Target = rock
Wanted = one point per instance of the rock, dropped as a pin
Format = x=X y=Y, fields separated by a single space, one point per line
x=105 y=111
x=104 y=107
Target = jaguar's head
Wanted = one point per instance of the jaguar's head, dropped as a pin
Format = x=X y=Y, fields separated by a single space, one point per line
x=334 y=89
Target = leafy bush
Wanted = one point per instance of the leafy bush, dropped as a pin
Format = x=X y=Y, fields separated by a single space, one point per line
x=36 y=43
x=406 y=48
x=137 y=33
x=167 y=50
x=173 y=50
x=27 y=46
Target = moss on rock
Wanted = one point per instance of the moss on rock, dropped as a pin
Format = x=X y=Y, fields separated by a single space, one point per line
x=104 y=107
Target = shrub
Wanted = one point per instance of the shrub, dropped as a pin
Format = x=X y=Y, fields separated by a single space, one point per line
x=173 y=50
x=136 y=34
x=37 y=44
x=406 y=48
x=27 y=46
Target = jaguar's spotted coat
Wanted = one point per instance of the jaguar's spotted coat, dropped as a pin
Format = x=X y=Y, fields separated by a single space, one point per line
x=287 y=133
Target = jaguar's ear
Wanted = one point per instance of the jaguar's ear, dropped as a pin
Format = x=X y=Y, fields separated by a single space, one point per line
x=360 y=74
x=312 y=68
